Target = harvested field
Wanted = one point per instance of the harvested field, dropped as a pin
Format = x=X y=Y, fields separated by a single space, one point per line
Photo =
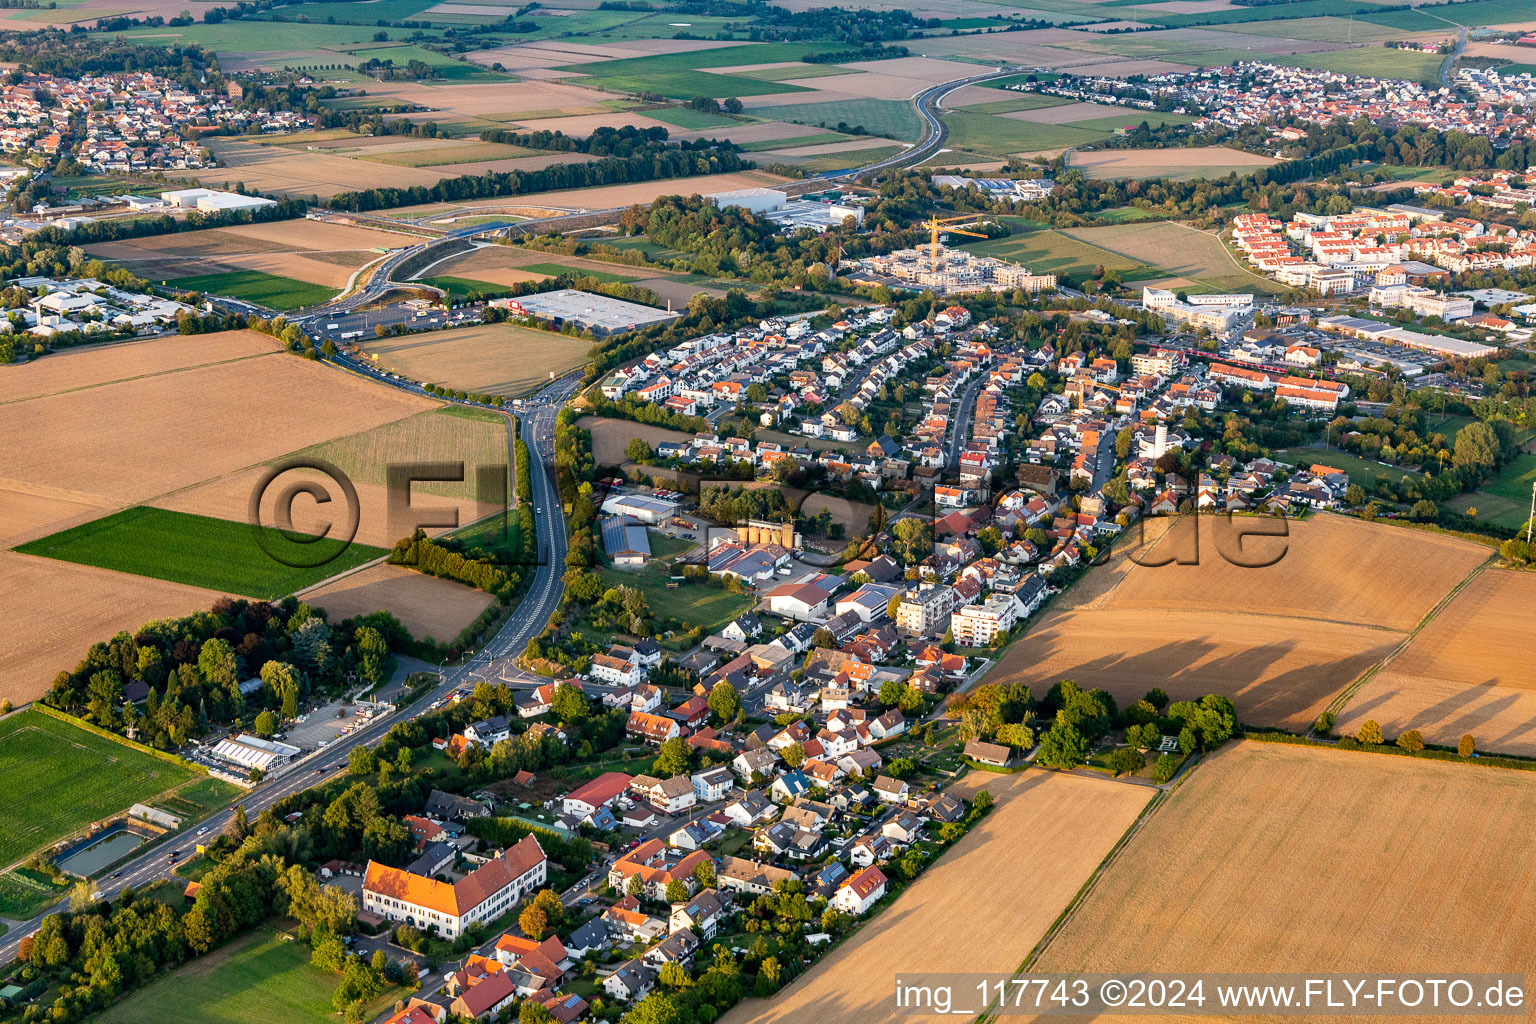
x=239 y=413
x=1067 y=823
x=286 y=172
x=1178 y=164
x=605 y=197
x=852 y=145
x=586 y=124
x=1277 y=858
x=56 y=610
x=1182 y=251
x=1334 y=568
x=105 y=364
x=464 y=443
x=428 y=606
x=1280 y=640
x=1469 y=670
x=311 y=251
x=498 y=359
x=610 y=436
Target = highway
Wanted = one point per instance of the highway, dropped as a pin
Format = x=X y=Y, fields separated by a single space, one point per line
x=537 y=416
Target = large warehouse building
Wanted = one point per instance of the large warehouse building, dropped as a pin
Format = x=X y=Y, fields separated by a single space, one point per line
x=596 y=313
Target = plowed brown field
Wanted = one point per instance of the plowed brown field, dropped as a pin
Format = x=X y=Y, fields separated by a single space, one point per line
x=428 y=606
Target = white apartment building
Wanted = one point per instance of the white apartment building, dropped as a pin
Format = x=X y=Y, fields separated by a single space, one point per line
x=978 y=625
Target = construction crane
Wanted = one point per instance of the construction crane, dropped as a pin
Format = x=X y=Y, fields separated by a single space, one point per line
x=936 y=224
x=1093 y=384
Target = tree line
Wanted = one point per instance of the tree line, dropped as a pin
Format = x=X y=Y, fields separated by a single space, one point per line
x=683 y=160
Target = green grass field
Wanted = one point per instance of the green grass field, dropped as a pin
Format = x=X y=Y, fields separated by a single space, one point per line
x=1375 y=61
x=199 y=551
x=256 y=286
x=1434 y=19
x=1017 y=101
x=1361 y=471
x=1515 y=479
x=814 y=139
x=257 y=978
x=840 y=161
x=59 y=778
x=693 y=603
x=688 y=119
x=1050 y=252
x=678 y=74
x=458 y=288
x=557 y=269
x=23 y=896
x=999 y=136
x=893 y=118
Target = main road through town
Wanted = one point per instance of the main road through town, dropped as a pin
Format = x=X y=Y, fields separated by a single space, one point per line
x=537 y=418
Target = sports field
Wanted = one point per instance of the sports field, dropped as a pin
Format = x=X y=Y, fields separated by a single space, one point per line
x=1068 y=824
x=1280 y=639
x=200 y=551
x=257 y=978
x=270 y=290
x=59 y=779
x=1361 y=471
x=1279 y=858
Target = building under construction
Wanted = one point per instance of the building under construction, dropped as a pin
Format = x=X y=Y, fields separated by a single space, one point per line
x=947 y=271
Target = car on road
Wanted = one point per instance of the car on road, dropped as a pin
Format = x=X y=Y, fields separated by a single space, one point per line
x=203 y=831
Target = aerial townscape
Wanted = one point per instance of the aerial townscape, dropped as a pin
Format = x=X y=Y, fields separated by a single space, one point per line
x=748 y=511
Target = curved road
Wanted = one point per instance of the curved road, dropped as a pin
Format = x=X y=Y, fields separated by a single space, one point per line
x=537 y=416
x=928 y=103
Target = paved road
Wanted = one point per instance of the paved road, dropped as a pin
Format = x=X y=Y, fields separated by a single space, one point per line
x=934 y=131
x=538 y=422
x=961 y=428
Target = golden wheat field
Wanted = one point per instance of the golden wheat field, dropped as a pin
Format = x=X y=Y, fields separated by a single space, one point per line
x=1280 y=858
x=1013 y=874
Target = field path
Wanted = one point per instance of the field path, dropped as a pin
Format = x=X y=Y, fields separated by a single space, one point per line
x=1347 y=694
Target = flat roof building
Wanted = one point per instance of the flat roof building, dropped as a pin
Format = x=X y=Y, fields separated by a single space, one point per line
x=596 y=313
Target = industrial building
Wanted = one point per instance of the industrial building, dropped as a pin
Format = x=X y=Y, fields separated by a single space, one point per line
x=598 y=314
x=211 y=200
x=247 y=752
x=641 y=508
x=753 y=200
x=817 y=216
x=625 y=541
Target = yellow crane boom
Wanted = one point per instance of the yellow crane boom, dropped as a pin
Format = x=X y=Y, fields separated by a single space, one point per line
x=936 y=224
